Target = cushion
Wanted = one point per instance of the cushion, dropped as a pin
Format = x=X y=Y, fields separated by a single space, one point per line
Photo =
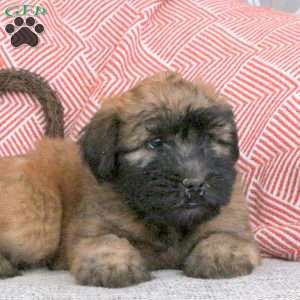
x=275 y=279
x=93 y=49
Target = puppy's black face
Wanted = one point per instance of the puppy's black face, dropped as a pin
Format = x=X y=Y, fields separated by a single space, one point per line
x=168 y=147
x=183 y=171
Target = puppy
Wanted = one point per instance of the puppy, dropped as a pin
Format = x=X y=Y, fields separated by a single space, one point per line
x=168 y=194
x=163 y=193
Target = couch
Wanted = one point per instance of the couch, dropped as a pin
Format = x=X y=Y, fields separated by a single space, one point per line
x=274 y=279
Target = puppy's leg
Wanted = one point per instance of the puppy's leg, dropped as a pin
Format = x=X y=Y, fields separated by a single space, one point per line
x=224 y=247
x=221 y=255
x=6 y=268
x=108 y=261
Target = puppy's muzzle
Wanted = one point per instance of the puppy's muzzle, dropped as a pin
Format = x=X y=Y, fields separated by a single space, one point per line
x=194 y=191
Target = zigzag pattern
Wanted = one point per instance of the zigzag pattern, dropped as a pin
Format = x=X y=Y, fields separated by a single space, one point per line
x=93 y=49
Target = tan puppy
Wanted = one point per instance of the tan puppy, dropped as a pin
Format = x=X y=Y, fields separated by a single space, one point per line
x=167 y=194
x=164 y=154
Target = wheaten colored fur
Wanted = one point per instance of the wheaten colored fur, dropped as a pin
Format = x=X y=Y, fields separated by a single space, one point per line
x=52 y=208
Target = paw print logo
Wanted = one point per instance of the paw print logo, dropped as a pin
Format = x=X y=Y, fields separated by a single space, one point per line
x=24 y=33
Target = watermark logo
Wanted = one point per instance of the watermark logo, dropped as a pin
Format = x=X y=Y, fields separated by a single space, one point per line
x=24 y=30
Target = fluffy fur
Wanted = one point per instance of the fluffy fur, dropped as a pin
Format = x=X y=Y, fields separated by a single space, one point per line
x=31 y=208
x=37 y=193
x=164 y=154
x=164 y=192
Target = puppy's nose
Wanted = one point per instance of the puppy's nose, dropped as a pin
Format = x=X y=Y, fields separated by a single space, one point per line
x=193 y=185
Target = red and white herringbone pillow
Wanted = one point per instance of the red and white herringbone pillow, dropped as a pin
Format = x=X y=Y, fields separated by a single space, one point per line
x=96 y=48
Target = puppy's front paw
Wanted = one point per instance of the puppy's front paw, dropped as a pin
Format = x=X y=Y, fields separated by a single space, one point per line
x=117 y=266
x=222 y=256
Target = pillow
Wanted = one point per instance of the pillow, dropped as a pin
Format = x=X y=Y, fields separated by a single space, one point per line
x=251 y=55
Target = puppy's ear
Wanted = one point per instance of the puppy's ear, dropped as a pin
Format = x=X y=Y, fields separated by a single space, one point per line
x=99 y=143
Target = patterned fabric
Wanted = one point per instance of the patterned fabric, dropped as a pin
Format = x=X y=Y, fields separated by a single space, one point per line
x=97 y=48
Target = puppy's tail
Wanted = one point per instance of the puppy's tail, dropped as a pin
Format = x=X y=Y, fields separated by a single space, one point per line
x=12 y=80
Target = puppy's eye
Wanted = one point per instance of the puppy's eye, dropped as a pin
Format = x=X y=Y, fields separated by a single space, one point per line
x=154 y=143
